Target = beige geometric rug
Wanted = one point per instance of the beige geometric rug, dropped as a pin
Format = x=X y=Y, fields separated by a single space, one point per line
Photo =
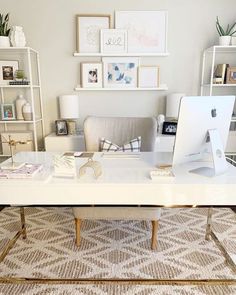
x=119 y=249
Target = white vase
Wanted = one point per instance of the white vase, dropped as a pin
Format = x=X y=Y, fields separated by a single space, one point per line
x=17 y=36
x=224 y=40
x=20 y=102
x=4 y=41
x=27 y=112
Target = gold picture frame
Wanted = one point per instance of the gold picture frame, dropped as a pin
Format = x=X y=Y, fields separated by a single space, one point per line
x=88 y=28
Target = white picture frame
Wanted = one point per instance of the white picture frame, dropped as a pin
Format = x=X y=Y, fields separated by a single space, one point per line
x=149 y=77
x=147 y=30
x=88 y=31
x=113 y=41
x=91 y=75
x=120 y=72
x=7 y=71
x=8 y=111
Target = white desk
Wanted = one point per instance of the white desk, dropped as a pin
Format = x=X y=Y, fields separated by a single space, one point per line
x=126 y=180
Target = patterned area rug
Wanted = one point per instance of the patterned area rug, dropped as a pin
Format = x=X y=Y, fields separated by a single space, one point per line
x=118 y=249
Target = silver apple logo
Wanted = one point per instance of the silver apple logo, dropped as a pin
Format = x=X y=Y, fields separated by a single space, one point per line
x=213 y=113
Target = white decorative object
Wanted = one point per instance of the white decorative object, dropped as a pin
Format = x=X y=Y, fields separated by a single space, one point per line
x=27 y=112
x=113 y=41
x=160 y=121
x=17 y=37
x=148 y=77
x=224 y=40
x=172 y=104
x=64 y=166
x=4 y=41
x=20 y=102
x=147 y=30
x=69 y=110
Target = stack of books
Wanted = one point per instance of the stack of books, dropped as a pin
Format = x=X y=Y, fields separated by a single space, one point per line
x=24 y=82
x=220 y=74
x=26 y=171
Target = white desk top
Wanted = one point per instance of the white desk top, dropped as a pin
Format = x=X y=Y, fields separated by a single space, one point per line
x=124 y=181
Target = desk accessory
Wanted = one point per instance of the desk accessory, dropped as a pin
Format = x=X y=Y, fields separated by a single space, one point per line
x=95 y=165
x=165 y=172
x=13 y=143
x=64 y=166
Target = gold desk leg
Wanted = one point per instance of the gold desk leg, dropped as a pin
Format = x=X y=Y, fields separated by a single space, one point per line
x=12 y=242
x=210 y=233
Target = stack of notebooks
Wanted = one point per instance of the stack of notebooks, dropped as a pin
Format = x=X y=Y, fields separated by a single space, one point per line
x=26 y=171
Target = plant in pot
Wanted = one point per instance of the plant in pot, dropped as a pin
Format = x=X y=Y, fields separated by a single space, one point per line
x=225 y=34
x=4 y=30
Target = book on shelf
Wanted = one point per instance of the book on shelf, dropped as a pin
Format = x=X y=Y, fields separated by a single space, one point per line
x=26 y=171
x=220 y=74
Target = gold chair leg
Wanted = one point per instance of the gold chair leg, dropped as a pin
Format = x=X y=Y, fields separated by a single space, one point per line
x=154 y=234
x=77 y=230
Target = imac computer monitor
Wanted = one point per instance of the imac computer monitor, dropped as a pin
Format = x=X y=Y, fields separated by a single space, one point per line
x=202 y=132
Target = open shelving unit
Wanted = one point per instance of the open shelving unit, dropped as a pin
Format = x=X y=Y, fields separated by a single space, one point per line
x=28 y=59
x=209 y=61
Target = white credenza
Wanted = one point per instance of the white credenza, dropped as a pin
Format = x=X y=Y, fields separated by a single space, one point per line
x=62 y=143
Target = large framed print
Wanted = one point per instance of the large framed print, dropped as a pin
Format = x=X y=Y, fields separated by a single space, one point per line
x=8 y=69
x=147 y=30
x=88 y=31
x=120 y=72
x=91 y=74
x=113 y=41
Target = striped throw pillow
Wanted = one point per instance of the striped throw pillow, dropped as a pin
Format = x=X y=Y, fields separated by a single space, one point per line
x=132 y=146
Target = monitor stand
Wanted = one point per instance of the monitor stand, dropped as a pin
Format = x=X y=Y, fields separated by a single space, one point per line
x=218 y=155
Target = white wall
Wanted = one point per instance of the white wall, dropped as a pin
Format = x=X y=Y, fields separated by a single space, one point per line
x=49 y=26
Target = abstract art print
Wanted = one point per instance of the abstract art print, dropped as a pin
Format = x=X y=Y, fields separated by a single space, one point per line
x=120 y=72
x=88 y=31
x=147 y=30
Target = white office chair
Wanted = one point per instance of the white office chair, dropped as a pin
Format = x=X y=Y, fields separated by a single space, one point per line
x=119 y=131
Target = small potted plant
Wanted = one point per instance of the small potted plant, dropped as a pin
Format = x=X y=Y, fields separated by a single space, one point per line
x=225 y=34
x=4 y=30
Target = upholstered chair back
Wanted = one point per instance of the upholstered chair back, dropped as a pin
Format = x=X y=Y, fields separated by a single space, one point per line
x=119 y=130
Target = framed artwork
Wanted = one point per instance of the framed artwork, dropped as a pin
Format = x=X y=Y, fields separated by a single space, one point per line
x=7 y=71
x=91 y=74
x=147 y=30
x=8 y=111
x=61 y=127
x=169 y=128
x=149 y=77
x=88 y=31
x=120 y=72
x=231 y=75
x=113 y=41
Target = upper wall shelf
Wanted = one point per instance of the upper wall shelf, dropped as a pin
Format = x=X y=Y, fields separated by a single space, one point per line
x=222 y=49
x=99 y=54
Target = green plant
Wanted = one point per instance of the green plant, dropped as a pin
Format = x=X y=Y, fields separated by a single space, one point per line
x=4 y=31
x=229 y=30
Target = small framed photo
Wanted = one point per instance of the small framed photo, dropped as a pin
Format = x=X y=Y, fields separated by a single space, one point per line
x=113 y=41
x=231 y=75
x=149 y=77
x=8 y=111
x=120 y=72
x=169 y=128
x=91 y=74
x=61 y=127
x=88 y=31
x=7 y=71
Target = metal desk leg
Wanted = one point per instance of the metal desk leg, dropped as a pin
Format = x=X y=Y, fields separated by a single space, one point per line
x=210 y=233
x=12 y=242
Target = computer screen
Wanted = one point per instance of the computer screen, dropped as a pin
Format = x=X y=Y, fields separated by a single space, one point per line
x=202 y=131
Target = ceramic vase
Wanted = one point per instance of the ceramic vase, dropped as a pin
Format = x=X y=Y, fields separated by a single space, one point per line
x=27 y=112
x=20 y=102
x=4 y=41
x=17 y=37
